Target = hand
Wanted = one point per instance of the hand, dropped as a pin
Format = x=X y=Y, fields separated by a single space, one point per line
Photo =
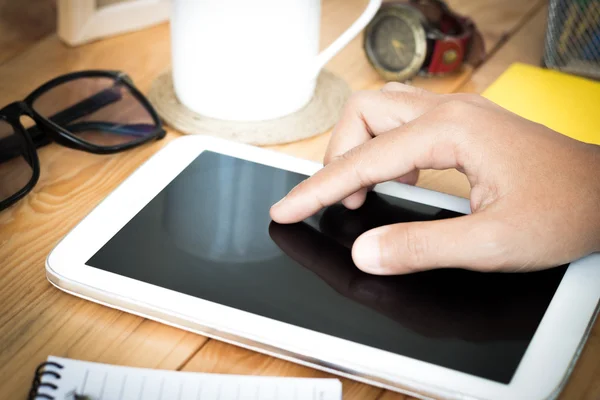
x=535 y=193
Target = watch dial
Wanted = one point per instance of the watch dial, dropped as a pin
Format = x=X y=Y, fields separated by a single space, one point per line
x=393 y=43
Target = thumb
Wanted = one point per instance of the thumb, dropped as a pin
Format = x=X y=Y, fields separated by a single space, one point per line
x=472 y=241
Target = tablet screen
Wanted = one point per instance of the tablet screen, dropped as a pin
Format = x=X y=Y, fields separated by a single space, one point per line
x=208 y=234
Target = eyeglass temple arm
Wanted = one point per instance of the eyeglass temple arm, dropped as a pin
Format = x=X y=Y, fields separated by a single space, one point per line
x=12 y=146
x=76 y=111
x=139 y=130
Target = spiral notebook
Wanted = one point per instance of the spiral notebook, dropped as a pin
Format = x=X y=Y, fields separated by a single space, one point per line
x=68 y=379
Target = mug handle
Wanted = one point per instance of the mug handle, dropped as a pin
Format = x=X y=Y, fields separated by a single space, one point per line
x=350 y=33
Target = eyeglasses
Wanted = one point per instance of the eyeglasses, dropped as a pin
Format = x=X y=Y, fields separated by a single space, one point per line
x=100 y=112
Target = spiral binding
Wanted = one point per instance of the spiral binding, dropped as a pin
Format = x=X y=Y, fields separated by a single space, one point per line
x=37 y=384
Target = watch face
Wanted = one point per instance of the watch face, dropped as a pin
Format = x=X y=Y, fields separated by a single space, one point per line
x=395 y=43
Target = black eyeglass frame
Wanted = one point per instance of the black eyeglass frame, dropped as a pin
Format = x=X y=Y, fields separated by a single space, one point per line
x=46 y=131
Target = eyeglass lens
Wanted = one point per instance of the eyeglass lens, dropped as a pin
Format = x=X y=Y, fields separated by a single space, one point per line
x=99 y=110
x=15 y=167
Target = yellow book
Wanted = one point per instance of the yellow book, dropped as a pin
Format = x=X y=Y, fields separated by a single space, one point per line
x=566 y=103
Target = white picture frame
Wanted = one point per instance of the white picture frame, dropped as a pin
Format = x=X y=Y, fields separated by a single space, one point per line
x=84 y=21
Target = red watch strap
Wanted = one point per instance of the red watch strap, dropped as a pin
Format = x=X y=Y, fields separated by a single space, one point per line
x=448 y=55
x=452 y=38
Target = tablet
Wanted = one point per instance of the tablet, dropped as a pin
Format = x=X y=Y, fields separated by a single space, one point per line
x=187 y=240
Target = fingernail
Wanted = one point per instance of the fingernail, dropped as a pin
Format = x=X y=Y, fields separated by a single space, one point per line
x=367 y=253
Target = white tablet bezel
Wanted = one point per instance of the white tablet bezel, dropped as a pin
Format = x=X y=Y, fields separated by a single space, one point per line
x=540 y=375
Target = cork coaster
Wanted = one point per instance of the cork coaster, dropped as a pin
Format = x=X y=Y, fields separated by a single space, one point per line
x=317 y=117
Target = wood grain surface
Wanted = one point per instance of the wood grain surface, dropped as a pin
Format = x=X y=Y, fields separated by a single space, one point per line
x=37 y=320
x=23 y=23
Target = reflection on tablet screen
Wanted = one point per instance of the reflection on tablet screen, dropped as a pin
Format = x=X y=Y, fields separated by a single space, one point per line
x=208 y=234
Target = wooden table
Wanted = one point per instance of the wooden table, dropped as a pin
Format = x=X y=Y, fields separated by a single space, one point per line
x=37 y=320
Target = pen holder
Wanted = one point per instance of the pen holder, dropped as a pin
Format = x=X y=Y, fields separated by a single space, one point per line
x=573 y=37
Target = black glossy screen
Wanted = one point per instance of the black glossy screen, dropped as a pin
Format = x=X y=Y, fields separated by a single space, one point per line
x=208 y=234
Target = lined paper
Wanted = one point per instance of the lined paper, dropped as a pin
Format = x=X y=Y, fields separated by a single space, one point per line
x=100 y=381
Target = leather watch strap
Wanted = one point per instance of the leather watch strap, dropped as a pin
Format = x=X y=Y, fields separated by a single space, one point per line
x=454 y=38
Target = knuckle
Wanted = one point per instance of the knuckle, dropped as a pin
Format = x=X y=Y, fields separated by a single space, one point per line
x=321 y=201
x=399 y=87
x=404 y=248
x=406 y=101
x=393 y=87
x=349 y=156
x=417 y=247
x=492 y=237
x=330 y=156
x=471 y=98
x=456 y=109
x=397 y=96
x=456 y=117
x=355 y=158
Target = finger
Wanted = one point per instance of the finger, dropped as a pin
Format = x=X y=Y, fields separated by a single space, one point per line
x=473 y=242
x=357 y=199
x=372 y=113
x=368 y=114
x=411 y=178
x=423 y=144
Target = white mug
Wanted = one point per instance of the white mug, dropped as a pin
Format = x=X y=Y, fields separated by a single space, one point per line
x=245 y=60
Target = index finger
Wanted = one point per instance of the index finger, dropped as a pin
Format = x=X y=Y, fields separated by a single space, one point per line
x=424 y=144
x=370 y=113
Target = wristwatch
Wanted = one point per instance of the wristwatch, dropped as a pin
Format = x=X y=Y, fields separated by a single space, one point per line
x=420 y=37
